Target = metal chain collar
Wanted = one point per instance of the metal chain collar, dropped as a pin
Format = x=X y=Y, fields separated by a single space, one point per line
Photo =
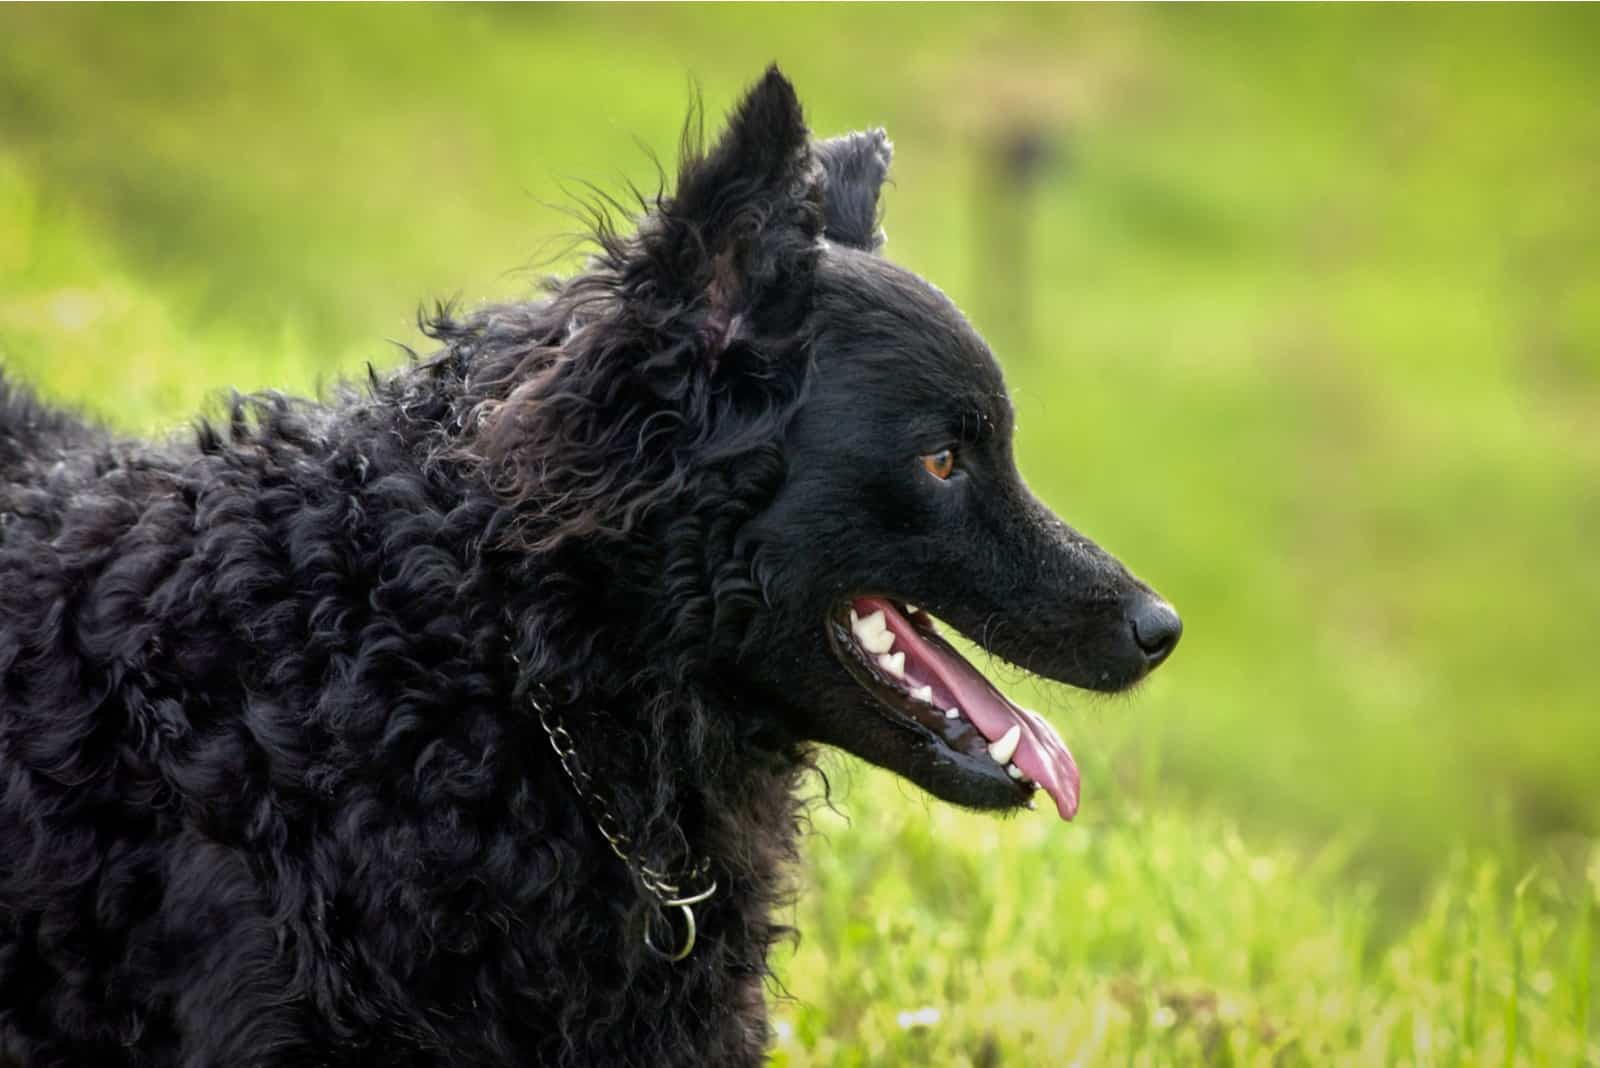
x=668 y=892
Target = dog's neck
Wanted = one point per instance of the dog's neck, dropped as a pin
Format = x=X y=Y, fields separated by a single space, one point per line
x=682 y=772
x=617 y=635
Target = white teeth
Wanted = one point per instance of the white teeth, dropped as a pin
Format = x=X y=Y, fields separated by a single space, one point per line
x=878 y=643
x=951 y=713
x=872 y=631
x=894 y=664
x=912 y=609
x=1002 y=751
x=867 y=625
x=923 y=694
x=1013 y=771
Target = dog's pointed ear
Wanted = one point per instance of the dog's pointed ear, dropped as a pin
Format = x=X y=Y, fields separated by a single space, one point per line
x=738 y=238
x=854 y=168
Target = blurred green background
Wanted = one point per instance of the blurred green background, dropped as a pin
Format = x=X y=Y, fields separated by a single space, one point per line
x=1301 y=310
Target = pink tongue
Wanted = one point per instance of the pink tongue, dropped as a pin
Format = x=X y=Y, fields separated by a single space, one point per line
x=1041 y=754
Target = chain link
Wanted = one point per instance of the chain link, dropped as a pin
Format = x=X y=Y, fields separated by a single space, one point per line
x=669 y=893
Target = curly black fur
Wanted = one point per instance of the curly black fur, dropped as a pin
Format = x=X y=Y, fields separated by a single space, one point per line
x=271 y=792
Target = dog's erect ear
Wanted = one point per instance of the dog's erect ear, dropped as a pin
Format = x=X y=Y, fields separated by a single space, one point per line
x=854 y=167
x=738 y=238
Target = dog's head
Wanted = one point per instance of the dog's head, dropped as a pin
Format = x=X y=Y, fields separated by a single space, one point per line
x=823 y=445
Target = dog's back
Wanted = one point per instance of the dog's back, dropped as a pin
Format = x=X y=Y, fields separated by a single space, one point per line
x=132 y=583
x=41 y=448
x=34 y=435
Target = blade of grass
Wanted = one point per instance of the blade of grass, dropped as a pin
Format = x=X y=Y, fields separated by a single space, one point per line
x=1513 y=1013
x=1587 y=892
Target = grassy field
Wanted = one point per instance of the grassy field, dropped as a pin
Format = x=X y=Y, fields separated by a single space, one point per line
x=1302 y=315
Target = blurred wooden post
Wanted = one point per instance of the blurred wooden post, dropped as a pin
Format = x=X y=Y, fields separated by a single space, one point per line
x=1011 y=161
x=1011 y=107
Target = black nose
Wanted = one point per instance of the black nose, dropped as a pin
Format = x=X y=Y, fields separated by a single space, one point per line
x=1156 y=627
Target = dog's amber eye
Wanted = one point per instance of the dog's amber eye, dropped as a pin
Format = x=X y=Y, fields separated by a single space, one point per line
x=940 y=464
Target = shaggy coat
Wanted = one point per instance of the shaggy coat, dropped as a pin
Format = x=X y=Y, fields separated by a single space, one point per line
x=273 y=790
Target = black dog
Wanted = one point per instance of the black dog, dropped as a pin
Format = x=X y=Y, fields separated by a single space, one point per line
x=461 y=720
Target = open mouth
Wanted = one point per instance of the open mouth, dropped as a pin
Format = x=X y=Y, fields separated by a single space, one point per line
x=895 y=652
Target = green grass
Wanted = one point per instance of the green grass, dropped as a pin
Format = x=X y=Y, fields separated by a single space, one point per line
x=1311 y=339
x=1169 y=939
